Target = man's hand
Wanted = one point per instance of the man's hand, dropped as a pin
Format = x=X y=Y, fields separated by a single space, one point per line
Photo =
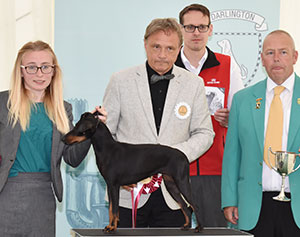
x=231 y=214
x=221 y=115
x=101 y=110
x=129 y=187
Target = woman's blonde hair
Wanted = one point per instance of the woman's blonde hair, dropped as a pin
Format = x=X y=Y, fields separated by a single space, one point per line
x=19 y=103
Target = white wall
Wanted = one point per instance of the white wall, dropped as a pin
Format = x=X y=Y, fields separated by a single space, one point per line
x=7 y=46
x=289 y=10
x=22 y=21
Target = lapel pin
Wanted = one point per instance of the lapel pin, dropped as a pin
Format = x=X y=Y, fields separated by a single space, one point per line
x=258 y=103
x=298 y=101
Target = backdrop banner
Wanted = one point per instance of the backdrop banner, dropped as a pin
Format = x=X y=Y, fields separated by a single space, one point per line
x=94 y=38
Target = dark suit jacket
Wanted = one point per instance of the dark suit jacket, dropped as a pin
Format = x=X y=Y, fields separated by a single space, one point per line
x=9 y=141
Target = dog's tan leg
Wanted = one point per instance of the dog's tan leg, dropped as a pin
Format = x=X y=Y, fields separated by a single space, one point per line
x=198 y=228
x=115 y=222
x=187 y=219
x=110 y=226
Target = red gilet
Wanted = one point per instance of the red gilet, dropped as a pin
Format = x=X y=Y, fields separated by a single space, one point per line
x=210 y=163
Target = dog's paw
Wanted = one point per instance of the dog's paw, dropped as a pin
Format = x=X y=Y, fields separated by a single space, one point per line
x=109 y=229
x=198 y=228
x=185 y=227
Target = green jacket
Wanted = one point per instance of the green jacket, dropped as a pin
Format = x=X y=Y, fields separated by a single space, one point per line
x=243 y=155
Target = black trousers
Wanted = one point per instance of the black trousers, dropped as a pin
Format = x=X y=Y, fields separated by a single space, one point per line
x=276 y=218
x=155 y=213
x=206 y=191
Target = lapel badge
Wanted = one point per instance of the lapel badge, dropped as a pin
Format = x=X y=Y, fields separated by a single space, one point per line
x=258 y=103
x=298 y=101
x=182 y=110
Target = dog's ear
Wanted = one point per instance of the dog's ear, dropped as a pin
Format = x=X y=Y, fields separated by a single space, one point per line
x=96 y=113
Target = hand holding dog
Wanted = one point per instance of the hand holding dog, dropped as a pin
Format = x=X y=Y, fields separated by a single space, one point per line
x=102 y=111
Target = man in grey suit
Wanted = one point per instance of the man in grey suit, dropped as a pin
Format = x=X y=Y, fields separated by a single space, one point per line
x=171 y=110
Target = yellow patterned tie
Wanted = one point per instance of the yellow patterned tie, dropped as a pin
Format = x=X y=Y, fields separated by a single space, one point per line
x=273 y=136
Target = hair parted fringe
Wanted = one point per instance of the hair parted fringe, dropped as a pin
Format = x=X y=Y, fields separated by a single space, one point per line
x=19 y=103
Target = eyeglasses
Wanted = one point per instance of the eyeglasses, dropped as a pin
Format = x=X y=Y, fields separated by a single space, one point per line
x=192 y=28
x=32 y=69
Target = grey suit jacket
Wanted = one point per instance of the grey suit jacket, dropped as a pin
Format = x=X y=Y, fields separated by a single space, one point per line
x=9 y=141
x=130 y=118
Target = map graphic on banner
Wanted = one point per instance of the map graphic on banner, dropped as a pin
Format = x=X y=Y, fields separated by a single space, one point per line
x=94 y=38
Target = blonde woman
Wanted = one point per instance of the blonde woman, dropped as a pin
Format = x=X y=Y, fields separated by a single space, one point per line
x=33 y=118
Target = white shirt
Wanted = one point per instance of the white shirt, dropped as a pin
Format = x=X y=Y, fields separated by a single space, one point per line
x=236 y=82
x=271 y=180
x=189 y=66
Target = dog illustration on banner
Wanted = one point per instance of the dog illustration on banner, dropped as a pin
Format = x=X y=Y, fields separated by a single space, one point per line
x=227 y=49
x=234 y=42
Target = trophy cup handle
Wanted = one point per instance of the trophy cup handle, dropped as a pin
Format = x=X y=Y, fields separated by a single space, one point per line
x=270 y=150
x=298 y=165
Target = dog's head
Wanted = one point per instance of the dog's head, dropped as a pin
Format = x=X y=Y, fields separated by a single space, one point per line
x=84 y=129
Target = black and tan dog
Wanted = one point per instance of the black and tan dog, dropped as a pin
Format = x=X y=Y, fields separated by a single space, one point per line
x=123 y=164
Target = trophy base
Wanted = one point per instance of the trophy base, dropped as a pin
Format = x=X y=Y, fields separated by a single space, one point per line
x=281 y=199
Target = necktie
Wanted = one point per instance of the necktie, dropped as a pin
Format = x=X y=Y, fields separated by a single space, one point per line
x=155 y=78
x=273 y=137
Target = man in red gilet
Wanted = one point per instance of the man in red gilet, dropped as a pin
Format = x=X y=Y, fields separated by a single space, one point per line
x=221 y=81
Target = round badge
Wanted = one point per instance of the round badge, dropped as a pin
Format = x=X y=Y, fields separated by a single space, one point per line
x=182 y=110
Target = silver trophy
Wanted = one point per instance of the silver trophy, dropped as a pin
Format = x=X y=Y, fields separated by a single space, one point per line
x=284 y=165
